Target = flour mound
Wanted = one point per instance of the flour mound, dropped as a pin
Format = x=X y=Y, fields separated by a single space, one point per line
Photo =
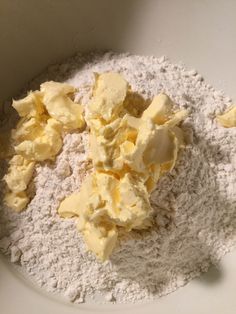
x=194 y=204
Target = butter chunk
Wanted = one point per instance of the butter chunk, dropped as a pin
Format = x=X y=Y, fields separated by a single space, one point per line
x=60 y=106
x=105 y=202
x=69 y=207
x=177 y=117
x=16 y=201
x=19 y=173
x=29 y=128
x=77 y=204
x=38 y=134
x=30 y=106
x=109 y=94
x=134 y=206
x=45 y=146
x=99 y=232
x=151 y=176
x=100 y=238
x=154 y=145
x=228 y=119
x=160 y=109
x=105 y=145
x=131 y=148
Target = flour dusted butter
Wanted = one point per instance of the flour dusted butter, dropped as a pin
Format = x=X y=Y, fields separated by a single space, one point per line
x=38 y=135
x=129 y=155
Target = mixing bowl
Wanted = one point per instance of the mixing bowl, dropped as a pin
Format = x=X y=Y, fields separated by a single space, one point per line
x=34 y=34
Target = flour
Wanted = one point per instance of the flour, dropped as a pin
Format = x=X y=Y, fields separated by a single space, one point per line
x=194 y=204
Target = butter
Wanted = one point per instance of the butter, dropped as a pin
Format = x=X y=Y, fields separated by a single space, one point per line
x=102 y=245
x=45 y=146
x=160 y=109
x=105 y=202
x=130 y=151
x=99 y=233
x=17 y=179
x=228 y=119
x=30 y=106
x=44 y=116
x=19 y=173
x=29 y=129
x=16 y=201
x=109 y=94
x=59 y=105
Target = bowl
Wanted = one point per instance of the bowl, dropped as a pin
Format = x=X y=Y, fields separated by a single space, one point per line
x=201 y=34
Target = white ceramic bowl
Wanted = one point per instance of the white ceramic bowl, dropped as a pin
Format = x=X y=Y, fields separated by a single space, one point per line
x=201 y=33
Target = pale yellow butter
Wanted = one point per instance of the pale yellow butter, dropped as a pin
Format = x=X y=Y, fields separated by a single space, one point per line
x=30 y=106
x=28 y=129
x=160 y=109
x=38 y=134
x=129 y=154
x=19 y=173
x=17 y=179
x=109 y=94
x=45 y=146
x=60 y=106
x=228 y=119
x=101 y=240
x=16 y=201
x=105 y=202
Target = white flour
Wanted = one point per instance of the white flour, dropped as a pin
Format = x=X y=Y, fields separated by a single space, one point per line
x=197 y=223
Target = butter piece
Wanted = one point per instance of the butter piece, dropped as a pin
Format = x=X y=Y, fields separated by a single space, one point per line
x=19 y=173
x=38 y=134
x=30 y=106
x=99 y=232
x=105 y=202
x=56 y=98
x=228 y=119
x=108 y=96
x=70 y=205
x=16 y=201
x=134 y=206
x=101 y=239
x=45 y=146
x=160 y=109
x=154 y=145
x=130 y=150
x=29 y=129
x=161 y=112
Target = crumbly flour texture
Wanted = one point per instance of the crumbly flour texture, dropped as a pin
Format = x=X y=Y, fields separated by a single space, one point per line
x=194 y=204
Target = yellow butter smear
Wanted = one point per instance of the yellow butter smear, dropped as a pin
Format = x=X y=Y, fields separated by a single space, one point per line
x=228 y=119
x=130 y=152
x=44 y=116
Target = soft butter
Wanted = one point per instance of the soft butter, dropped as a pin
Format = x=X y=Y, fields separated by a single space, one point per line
x=228 y=119
x=129 y=154
x=44 y=116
